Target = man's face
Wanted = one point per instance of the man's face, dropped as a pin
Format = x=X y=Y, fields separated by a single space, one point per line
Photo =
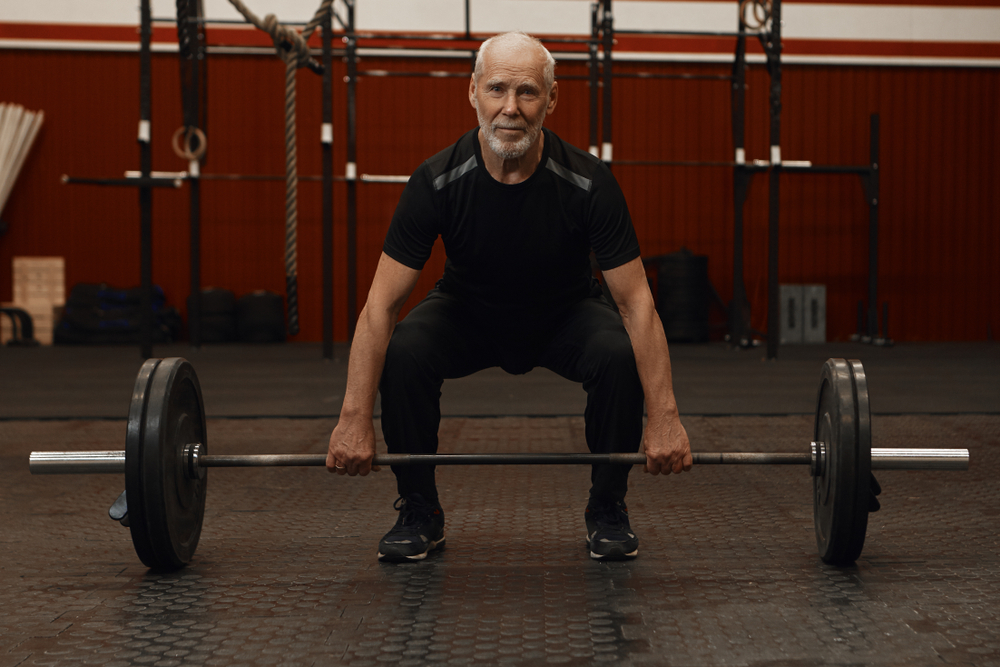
x=511 y=99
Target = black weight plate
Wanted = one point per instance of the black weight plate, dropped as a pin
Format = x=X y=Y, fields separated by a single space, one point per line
x=173 y=502
x=133 y=461
x=840 y=494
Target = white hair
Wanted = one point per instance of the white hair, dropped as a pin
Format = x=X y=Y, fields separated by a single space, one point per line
x=509 y=38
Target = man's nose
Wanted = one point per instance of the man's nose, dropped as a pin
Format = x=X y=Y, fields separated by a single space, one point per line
x=510 y=104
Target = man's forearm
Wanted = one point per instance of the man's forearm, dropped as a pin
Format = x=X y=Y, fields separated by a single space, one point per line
x=649 y=344
x=364 y=367
x=391 y=286
x=652 y=359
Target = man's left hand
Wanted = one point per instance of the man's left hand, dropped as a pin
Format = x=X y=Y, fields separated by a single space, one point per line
x=667 y=447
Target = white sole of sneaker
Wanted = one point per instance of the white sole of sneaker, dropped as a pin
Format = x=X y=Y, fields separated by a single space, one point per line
x=614 y=556
x=400 y=558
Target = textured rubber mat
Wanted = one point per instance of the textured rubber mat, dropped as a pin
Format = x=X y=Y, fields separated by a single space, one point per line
x=95 y=382
x=285 y=573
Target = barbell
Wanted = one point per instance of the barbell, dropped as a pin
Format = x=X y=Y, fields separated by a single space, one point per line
x=166 y=461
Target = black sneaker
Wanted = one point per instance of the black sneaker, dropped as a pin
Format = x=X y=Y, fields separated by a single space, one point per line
x=609 y=534
x=418 y=531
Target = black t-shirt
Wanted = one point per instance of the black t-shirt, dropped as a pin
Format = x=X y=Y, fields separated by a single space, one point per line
x=524 y=246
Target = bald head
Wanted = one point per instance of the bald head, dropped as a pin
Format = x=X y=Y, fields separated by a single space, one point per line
x=515 y=43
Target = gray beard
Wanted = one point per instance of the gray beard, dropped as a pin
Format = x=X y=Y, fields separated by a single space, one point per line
x=508 y=150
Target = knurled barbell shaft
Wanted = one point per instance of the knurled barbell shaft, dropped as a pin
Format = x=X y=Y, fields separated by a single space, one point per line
x=227 y=461
x=882 y=459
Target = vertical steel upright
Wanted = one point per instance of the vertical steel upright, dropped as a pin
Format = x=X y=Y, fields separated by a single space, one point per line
x=872 y=195
x=468 y=36
x=772 y=48
x=326 y=139
x=739 y=307
x=592 y=77
x=351 y=171
x=608 y=30
x=145 y=190
x=194 y=309
x=191 y=52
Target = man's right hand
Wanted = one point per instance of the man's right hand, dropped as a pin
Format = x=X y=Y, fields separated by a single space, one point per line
x=352 y=447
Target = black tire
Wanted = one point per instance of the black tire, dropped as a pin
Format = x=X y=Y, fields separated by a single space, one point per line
x=260 y=317
x=216 y=301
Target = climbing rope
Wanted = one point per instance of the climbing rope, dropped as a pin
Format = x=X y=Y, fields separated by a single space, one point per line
x=292 y=47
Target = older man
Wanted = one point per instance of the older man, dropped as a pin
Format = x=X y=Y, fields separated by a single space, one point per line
x=519 y=211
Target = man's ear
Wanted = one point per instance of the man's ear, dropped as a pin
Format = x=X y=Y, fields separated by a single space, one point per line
x=472 y=91
x=553 y=98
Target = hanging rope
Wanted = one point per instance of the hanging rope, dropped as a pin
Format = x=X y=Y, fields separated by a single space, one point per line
x=292 y=47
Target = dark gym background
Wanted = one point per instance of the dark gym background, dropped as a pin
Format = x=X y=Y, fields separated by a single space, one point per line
x=939 y=140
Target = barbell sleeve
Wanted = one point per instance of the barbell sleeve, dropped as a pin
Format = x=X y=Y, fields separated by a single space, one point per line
x=919 y=459
x=49 y=463
x=73 y=463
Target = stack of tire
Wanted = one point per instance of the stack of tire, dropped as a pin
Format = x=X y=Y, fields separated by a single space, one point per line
x=218 y=315
x=102 y=314
x=257 y=317
x=260 y=317
x=682 y=297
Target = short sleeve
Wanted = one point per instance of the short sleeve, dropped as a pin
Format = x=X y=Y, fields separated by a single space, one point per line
x=415 y=225
x=612 y=235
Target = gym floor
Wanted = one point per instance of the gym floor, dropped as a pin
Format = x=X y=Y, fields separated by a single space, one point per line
x=285 y=572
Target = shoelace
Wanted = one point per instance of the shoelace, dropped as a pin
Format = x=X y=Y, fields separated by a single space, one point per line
x=610 y=516
x=411 y=513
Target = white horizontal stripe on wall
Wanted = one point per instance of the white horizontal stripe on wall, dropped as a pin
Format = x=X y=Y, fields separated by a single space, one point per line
x=565 y=17
x=698 y=16
x=891 y=22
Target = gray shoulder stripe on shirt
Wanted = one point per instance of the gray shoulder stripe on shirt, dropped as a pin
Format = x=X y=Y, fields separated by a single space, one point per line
x=456 y=173
x=574 y=178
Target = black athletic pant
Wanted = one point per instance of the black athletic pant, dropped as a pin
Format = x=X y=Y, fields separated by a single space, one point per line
x=444 y=337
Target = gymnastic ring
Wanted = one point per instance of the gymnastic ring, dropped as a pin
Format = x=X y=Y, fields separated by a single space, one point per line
x=760 y=21
x=185 y=152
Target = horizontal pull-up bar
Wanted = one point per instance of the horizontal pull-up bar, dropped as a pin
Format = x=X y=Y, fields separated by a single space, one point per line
x=175 y=178
x=686 y=33
x=439 y=37
x=664 y=75
x=792 y=166
x=129 y=182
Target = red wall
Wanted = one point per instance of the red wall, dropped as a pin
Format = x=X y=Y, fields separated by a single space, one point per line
x=940 y=207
